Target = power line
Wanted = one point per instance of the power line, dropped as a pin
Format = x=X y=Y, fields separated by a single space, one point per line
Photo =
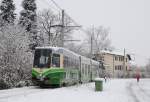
x=61 y=10
x=67 y=15
x=46 y=2
x=56 y=5
x=72 y=19
x=62 y=22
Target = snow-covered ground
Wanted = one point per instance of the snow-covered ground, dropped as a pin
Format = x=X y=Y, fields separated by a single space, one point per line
x=115 y=90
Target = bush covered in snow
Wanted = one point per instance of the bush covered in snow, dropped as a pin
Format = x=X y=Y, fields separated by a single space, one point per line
x=7 y=14
x=15 y=58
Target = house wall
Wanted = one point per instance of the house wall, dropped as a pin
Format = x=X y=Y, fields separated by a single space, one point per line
x=114 y=65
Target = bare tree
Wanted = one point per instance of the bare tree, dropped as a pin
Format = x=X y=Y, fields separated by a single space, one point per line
x=147 y=67
x=98 y=38
x=50 y=27
x=79 y=49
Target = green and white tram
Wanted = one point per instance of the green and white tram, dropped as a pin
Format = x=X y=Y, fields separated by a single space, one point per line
x=55 y=66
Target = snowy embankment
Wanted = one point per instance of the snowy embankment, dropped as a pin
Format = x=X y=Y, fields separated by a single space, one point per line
x=115 y=90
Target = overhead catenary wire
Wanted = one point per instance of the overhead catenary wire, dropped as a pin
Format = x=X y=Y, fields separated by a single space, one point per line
x=67 y=15
x=56 y=5
x=50 y=6
x=64 y=14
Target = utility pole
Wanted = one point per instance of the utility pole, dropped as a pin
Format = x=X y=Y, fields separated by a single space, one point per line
x=91 y=50
x=91 y=47
x=62 y=26
x=62 y=29
x=113 y=66
x=92 y=41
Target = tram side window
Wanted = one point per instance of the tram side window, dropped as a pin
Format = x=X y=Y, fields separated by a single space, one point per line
x=95 y=68
x=88 y=69
x=74 y=76
x=74 y=63
x=69 y=62
x=65 y=61
x=82 y=68
x=78 y=66
x=56 y=60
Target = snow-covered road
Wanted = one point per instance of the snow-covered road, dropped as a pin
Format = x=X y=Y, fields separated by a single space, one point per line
x=140 y=91
x=115 y=90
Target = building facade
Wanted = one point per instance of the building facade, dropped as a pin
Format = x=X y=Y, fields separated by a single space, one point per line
x=116 y=65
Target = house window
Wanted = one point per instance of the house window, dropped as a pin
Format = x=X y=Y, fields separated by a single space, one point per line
x=119 y=58
x=115 y=67
x=119 y=67
x=116 y=58
x=122 y=58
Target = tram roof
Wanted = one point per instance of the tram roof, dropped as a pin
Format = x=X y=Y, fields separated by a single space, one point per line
x=48 y=47
x=60 y=50
x=65 y=51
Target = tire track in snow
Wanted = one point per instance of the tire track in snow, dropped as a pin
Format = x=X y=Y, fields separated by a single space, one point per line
x=131 y=92
x=145 y=96
x=144 y=92
x=138 y=93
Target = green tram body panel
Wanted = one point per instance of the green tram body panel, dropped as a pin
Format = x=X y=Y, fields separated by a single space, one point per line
x=48 y=76
x=57 y=76
x=54 y=76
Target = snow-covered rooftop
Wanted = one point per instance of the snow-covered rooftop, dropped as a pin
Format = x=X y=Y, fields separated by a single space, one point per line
x=113 y=52
x=133 y=63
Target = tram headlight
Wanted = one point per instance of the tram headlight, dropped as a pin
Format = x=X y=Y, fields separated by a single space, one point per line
x=40 y=77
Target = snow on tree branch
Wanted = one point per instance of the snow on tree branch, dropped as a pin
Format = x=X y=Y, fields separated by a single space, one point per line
x=15 y=59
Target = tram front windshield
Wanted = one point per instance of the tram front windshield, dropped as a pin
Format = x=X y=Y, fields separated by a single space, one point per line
x=42 y=58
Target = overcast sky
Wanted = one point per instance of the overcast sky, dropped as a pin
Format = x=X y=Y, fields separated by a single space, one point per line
x=129 y=21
